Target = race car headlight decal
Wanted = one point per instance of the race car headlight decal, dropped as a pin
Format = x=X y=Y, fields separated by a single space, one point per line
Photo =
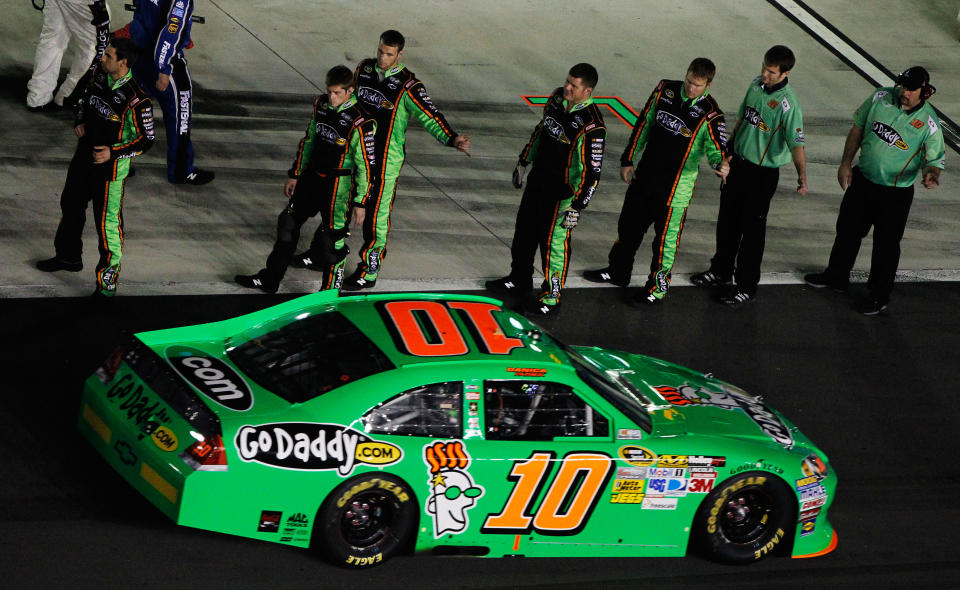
x=813 y=465
x=206 y=455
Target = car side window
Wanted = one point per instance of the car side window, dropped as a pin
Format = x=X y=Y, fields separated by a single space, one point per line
x=538 y=410
x=434 y=410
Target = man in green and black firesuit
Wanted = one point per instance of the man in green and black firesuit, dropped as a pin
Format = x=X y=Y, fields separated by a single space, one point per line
x=769 y=133
x=899 y=138
x=335 y=158
x=392 y=93
x=566 y=149
x=678 y=125
x=114 y=123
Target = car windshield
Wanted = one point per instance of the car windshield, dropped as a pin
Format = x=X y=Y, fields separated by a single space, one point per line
x=308 y=356
x=621 y=394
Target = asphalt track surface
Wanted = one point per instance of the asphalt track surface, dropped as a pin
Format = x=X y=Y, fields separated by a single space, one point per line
x=877 y=394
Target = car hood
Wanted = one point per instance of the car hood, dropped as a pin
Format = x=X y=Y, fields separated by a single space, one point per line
x=682 y=401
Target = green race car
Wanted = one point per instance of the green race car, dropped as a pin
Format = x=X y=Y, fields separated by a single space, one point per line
x=369 y=426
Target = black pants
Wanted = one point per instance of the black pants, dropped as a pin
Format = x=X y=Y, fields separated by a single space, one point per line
x=313 y=194
x=538 y=227
x=642 y=208
x=742 y=222
x=103 y=184
x=866 y=204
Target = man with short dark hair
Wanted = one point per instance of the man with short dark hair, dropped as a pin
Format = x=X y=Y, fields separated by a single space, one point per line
x=679 y=124
x=114 y=123
x=392 y=93
x=335 y=158
x=898 y=137
x=768 y=134
x=566 y=149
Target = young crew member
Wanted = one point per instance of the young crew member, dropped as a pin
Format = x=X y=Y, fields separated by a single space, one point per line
x=335 y=158
x=392 y=93
x=768 y=135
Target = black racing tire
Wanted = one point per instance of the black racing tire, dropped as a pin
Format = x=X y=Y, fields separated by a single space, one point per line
x=366 y=520
x=746 y=518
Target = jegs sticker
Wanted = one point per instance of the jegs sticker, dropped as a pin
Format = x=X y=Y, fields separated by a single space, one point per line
x=452 y=489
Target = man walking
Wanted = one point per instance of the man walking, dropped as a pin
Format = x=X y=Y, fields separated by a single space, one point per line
x=335 y=158
x=899 y=139
x=392 y=93
x=566 y=149
x=680 y=123
x=769 y=133
x=114 y=123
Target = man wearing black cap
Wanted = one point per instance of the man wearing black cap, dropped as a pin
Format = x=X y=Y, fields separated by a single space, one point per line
x=898 y=136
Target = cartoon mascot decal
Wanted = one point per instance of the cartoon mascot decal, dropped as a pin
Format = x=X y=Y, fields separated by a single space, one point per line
x=452 y=490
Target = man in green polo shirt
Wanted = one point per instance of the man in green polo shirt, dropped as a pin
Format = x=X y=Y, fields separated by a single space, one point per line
x=768 y=134
x=898 y=136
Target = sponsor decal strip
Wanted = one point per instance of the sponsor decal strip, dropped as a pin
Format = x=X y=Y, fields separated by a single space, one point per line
x=853 y=55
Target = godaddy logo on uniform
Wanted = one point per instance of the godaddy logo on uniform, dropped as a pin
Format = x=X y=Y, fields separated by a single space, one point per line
x=888 y=134
x=555 y=129
x=752 y=116
x=673 y=124
x=328 y=133
x=103 y=108
x=374 y=98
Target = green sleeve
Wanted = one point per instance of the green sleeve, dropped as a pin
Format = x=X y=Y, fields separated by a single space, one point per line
x=417 y=101
x=641 y=129
x=305 y=149
x=363 y=154
x=934 y=152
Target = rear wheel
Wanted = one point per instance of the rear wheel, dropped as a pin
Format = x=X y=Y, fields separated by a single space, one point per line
x=366 y=520
x=746 y=518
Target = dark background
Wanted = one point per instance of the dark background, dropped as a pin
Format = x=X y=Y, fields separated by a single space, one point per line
x=878 y=395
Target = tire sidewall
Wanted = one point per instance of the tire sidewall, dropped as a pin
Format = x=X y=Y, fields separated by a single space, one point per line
x=328 y=540
x=709 y=536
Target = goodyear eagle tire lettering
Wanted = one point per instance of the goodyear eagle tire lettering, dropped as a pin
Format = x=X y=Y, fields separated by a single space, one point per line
x=366 y=520
x=745 y=519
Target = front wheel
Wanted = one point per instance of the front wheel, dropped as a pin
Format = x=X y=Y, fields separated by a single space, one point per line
x=746 y=518
x=366 y=520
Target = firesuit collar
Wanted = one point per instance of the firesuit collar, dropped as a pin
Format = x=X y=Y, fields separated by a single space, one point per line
x=391 y=72
x=347 y=103
x=775 y=87
x=114 y=84
x=694 y=101
x=579 y=105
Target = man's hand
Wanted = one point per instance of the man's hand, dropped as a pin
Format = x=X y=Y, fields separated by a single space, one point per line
x=626 y=174
x=931 y=177
x=358 y=214
x=163 y=81
x=802 y=185
x=462 y=143
x=722 y=170
x=844 y=175
x=570 y=218
x=518 y=173
x=98 y=10
x=80 y=129
x=289 y=186
x=101 y=153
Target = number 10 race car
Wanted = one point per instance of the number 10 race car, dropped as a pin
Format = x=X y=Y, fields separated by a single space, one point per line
x=370 y=426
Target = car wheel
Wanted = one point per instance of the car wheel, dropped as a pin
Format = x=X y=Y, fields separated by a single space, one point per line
x=366 y=520
x=746 y=518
